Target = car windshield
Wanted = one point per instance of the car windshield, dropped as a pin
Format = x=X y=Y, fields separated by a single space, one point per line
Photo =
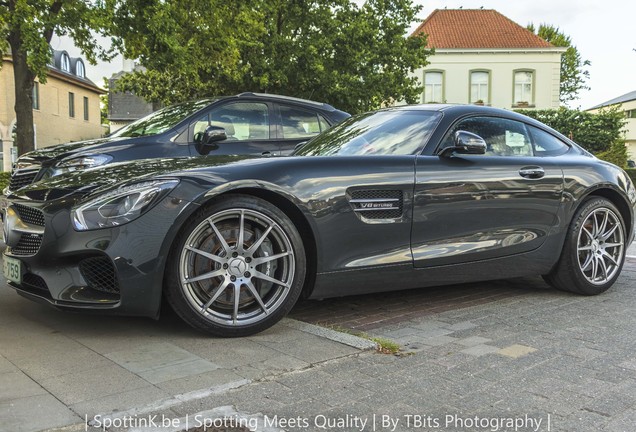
x=391 y=132
x=162 y=120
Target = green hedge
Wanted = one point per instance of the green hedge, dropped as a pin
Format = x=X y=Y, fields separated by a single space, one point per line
x=632 y=173
x=4 y=180
x=601 y=133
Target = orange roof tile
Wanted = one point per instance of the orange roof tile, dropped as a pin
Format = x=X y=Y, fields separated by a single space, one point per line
x=476 y=28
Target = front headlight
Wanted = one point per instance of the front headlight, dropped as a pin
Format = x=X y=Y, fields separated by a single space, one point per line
x=78 y=164
x=121 y=205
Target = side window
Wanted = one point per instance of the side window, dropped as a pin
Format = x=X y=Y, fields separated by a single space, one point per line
x=546 y=144
x=242 y=121
x=503 y=137
x=300 y=123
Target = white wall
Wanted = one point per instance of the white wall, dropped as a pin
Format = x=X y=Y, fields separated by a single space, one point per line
x=457 y=65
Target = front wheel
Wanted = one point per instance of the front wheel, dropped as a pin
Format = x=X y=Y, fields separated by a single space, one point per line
x=594 y=250
x=237 y=267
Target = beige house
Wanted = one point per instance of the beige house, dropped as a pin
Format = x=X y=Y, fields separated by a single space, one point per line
x=66 y=108
x=627 y=103
x=483 y=57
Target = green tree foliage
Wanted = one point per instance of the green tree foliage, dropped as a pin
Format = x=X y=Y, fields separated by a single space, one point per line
x=26 y=29
x=191 y=48
x=354 y=57
x=601 y=134
x=573 y=68
x=103 y=105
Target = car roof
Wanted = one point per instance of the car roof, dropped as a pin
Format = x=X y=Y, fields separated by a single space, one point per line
x=269 y=96
x=459 y=110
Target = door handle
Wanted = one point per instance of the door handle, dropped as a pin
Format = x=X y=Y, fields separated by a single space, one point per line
x=266 y=153
x=533 y=172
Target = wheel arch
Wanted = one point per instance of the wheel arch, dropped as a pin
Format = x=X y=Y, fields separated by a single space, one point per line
x=615 y=198
x=291 y=209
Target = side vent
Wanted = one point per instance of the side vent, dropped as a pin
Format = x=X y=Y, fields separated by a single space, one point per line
x=377 y=204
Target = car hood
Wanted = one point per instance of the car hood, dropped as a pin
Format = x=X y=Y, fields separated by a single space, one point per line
x=98 y=179
x=80 y=147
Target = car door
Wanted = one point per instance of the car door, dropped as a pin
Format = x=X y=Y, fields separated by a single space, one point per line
x=298 y=125
x=475 y=207
x=248 y=127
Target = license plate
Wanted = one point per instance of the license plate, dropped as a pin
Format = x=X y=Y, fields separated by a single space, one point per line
x=12 y=269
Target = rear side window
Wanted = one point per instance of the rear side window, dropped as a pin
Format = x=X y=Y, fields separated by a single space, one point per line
x=546 y=144
x=300 y=123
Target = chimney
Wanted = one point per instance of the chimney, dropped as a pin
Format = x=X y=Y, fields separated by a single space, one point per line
x=128 y=65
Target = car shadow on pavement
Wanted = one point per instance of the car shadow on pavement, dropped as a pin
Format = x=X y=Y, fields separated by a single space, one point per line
x=371 y=311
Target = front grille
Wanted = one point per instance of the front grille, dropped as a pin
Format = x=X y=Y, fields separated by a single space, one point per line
x=34 y=281
x=29 y=244
x=20 y=179
x=377 y=204
x=99 y=274
x=29 y=215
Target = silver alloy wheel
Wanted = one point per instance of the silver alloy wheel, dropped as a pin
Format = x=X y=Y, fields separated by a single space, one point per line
x=600 y=246
x=237 y=267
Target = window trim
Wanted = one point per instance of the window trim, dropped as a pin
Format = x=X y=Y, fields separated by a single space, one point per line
x=532 y=103
x=35 y=96
x=86 y=109
x=470 y=85
x=66 y=57
x=78 y=64
x=71 y=105
x=443 y=72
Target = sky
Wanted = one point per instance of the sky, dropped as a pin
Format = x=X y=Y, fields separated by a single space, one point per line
x=602 y=31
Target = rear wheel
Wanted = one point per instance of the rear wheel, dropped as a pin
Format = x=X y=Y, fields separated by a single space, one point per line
x=594 y=250
x=237 y=268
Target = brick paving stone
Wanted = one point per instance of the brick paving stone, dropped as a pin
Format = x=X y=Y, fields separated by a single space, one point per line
x=516 y=351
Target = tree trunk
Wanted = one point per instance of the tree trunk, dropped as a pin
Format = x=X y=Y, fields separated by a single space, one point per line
x=23 y=78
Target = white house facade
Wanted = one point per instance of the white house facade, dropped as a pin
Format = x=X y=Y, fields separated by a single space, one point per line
x=483 y=57
x=627 y=103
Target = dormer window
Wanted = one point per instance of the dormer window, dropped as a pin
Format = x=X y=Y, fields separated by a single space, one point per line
x=65 y=63
x=79 y=69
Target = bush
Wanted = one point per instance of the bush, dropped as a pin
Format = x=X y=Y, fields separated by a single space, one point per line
x=4 y=180
x=616 y=154
x=601 y=134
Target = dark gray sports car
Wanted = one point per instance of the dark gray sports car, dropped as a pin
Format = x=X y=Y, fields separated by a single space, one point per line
x=405 y=197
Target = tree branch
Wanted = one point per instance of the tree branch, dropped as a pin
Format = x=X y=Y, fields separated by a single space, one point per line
x=55 y=9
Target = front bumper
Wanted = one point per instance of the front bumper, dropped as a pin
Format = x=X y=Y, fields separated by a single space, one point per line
x=114 y=269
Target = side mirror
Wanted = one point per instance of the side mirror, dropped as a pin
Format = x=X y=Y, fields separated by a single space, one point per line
x=466 y=143
x=213 y=134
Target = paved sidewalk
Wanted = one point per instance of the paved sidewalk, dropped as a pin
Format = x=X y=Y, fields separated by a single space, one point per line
x=524 y=352
x=545 y=356
x=58 y=367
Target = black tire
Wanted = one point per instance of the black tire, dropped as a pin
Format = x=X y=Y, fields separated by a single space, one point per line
x=211 y=269
x=579 y=269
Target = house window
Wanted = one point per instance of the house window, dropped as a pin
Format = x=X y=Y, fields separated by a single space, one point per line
x=80 y=71
x=630 y=113
x=479 y=87
x=523 y=88
x=71 y=104
x=433 y=87
x=65 y=63
x=85 y=108
x=36 y=95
